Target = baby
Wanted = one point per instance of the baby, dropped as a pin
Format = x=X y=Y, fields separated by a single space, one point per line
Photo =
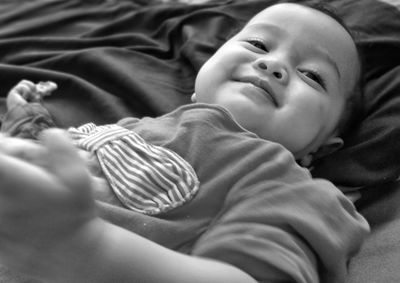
x=276 y=92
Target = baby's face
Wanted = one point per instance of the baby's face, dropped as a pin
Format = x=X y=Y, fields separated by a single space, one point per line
x=285 y=76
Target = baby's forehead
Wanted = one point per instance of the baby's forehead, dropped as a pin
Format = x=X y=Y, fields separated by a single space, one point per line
x=285 y=9
x=291 y=15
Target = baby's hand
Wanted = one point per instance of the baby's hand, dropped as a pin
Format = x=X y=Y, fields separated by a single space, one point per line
x=26 y=91
x=43 y=209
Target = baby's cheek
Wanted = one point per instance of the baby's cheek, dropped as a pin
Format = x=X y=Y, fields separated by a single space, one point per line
x=302 y=129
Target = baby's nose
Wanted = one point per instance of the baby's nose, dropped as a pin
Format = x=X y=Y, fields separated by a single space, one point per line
x=273 y=68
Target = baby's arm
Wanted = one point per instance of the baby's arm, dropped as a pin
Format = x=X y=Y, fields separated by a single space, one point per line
x=50 y=228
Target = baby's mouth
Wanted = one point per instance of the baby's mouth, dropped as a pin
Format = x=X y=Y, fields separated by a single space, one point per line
x=263 y=85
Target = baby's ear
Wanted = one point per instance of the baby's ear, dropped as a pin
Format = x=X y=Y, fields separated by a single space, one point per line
x=330 y=146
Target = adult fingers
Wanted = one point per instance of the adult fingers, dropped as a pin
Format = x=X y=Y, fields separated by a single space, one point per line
x=27 y=150
x=21 y=180
x=64 y=161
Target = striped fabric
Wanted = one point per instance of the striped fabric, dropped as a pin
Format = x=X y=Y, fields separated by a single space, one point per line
x=146 y=178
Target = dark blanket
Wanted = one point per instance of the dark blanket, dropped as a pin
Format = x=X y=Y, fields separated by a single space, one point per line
x=118 y=58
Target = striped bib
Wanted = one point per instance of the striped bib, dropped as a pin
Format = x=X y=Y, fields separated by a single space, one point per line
x=146 y=178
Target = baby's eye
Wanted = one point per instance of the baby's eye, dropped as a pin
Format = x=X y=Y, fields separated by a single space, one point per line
x=258 y=43
x=315 y=77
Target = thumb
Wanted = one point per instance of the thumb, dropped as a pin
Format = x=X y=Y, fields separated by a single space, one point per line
x=65 y=163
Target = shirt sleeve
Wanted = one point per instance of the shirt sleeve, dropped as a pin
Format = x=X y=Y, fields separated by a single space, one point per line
x=278 y=232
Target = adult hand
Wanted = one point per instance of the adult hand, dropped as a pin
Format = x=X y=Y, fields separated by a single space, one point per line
x=44 y=206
